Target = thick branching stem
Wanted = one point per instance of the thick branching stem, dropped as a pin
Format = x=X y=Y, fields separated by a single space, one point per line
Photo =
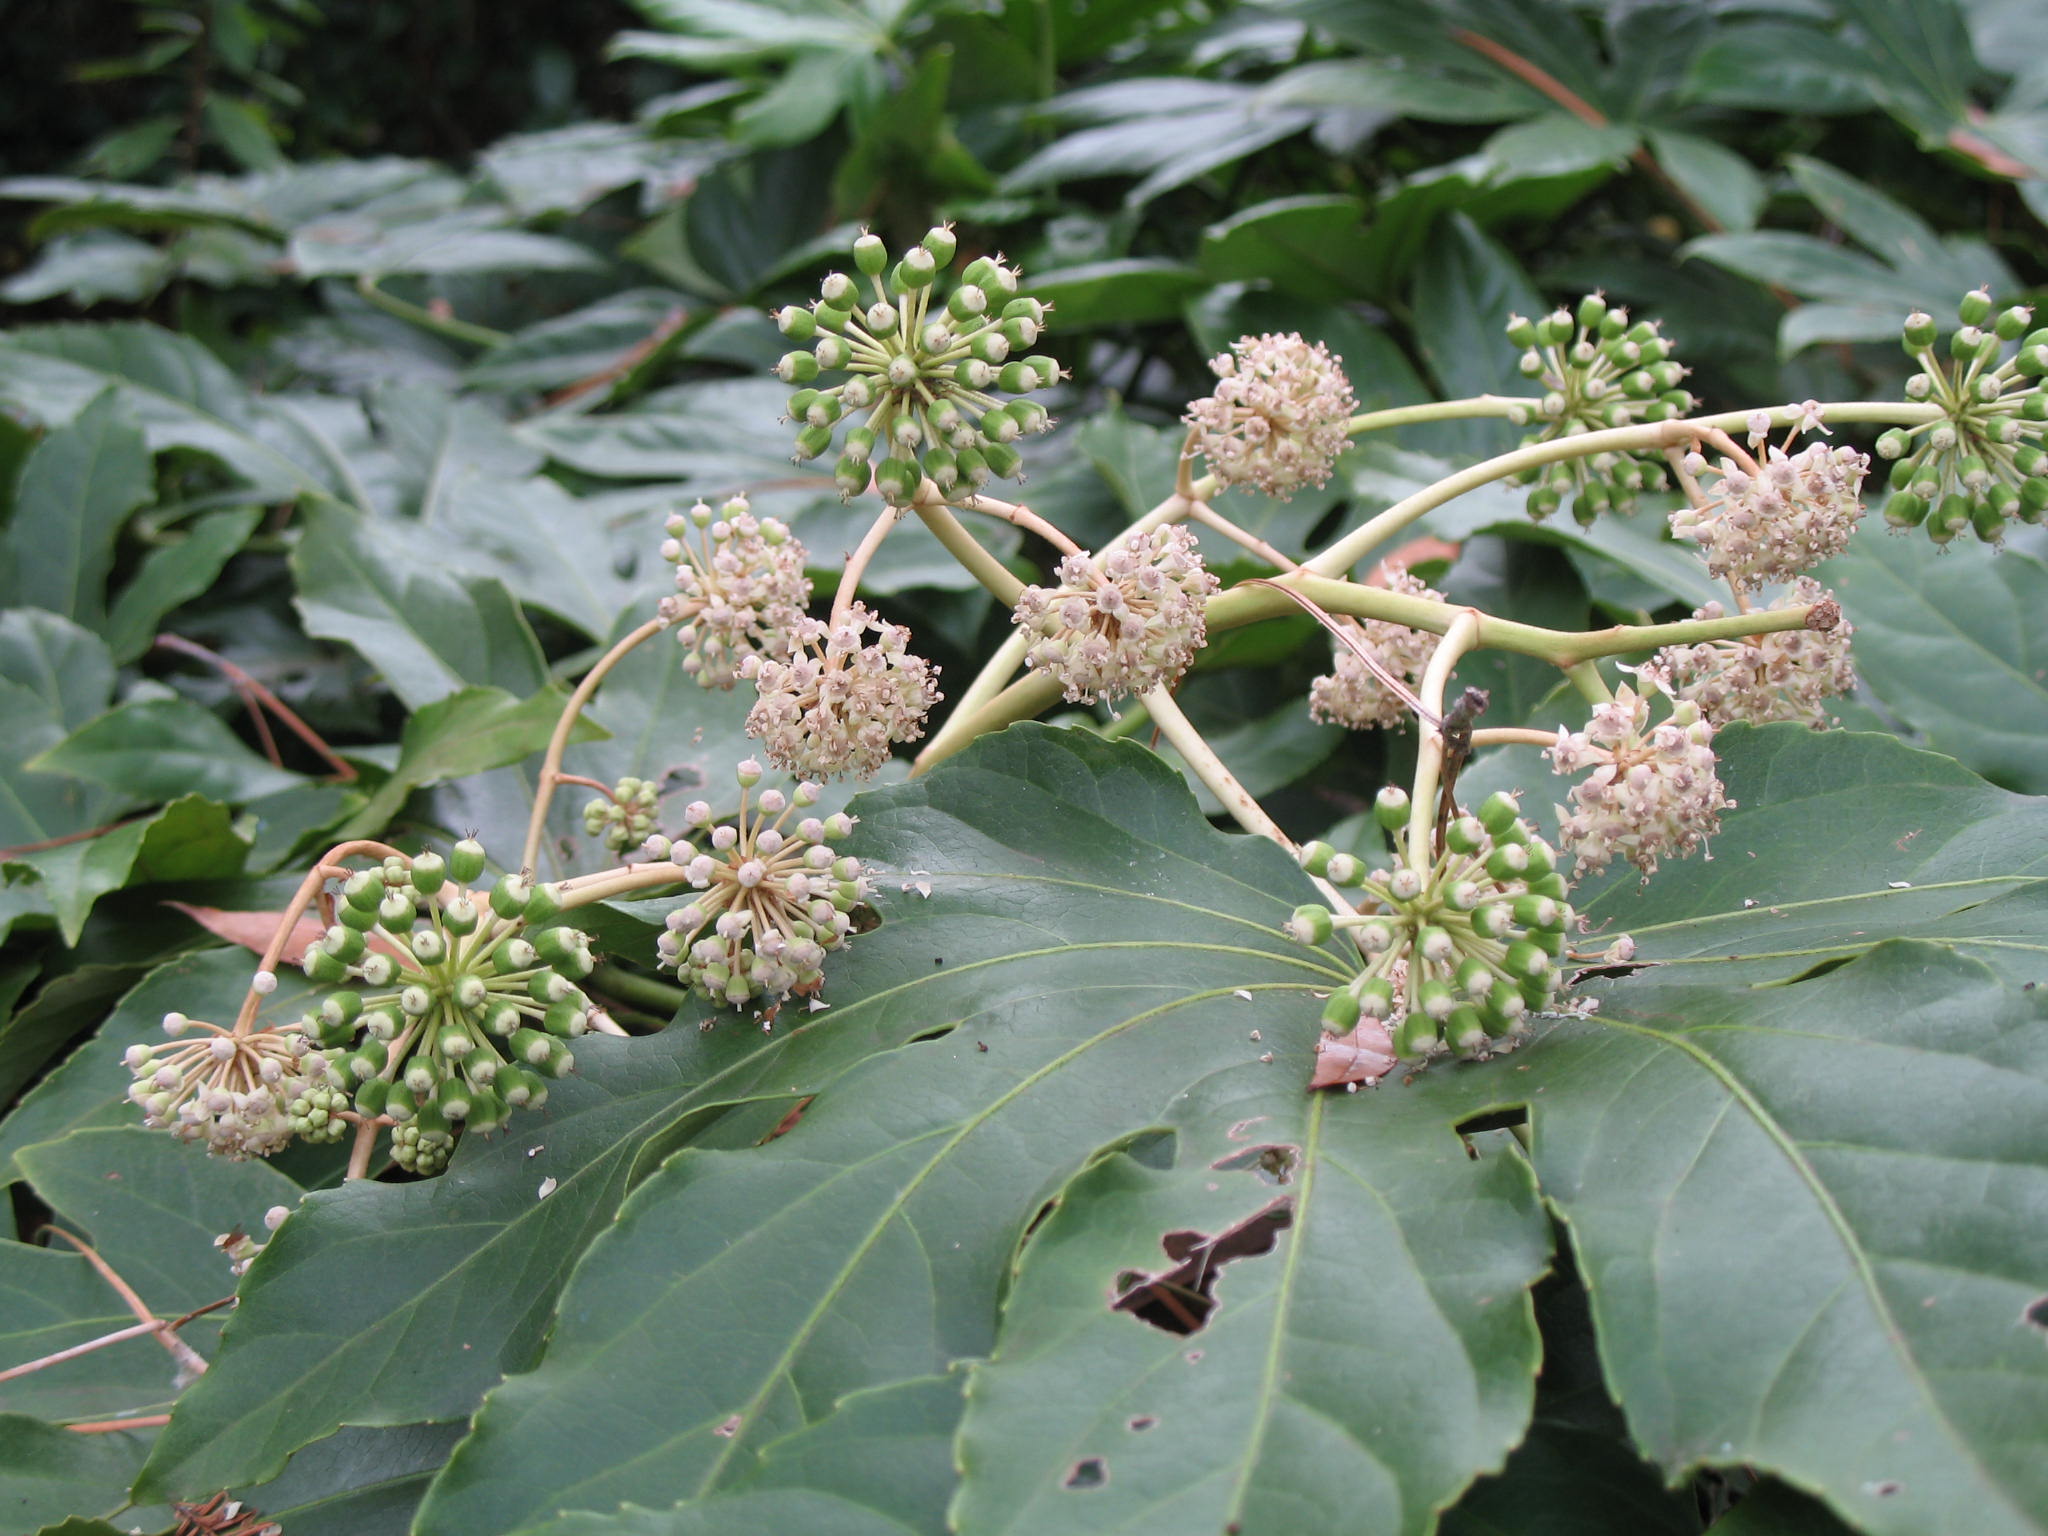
x=1652 y=437
x=558 y=743
x=1462 y=636
x=1001 y=583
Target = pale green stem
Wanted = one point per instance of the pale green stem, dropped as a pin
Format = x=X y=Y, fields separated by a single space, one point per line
x=964 y=547
x=1021 y=517
x=857 y=563
x=1128 y=720
x=648 y=991
x=1654 y=436
x=1462 y=636
x=1503 y=406
x=1585 y=676
x=1563 y=649
x=1243 y=807
x=558 y=743
x=1512 y=736
x=1203 y=762
x=1209 y=517
x=426 y=319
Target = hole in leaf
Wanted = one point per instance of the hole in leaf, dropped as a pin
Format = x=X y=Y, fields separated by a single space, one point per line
x=2036 y=1312
x=1142 y=1422
x=1180 y=1299
x=865 y=919
x=1271 y=1165
x=1606 y=972
x=1493 y=1120
x=1089 y=1472
x=937 y=1032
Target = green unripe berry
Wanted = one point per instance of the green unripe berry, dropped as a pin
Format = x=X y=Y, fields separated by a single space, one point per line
x=1312 y=923
x=460 y=916
x=1975 y=307
x=429 y=873
x=870 y=255
x=1390 y=807
x=917 y=268
x=395 y=911
x=363 y=890
x=322 y=967
x=372 y=1096
x=797 y=323
x=1498 y=812
x=2012 y=323
x=1315 y=857
x=1521 y=332
x=1416 y=1037
x=1466 y=1032
x=1340 y=1013
x=1592 y=310
x=1919 y=331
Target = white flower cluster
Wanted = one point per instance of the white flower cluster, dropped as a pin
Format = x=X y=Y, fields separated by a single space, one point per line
x=774 y=900
x=1794 y=512
x=1279 y=416
x=1653 y=791
x=1352 y=695
x=1125 y=623
x=740 y=588
x=244 y=1095
x=1786 y=675
x=835 y=706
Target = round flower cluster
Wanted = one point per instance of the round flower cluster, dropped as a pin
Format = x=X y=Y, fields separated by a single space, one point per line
x=839 y=701
x=1653 y=792
x=1457 y=956
x=1353 y=695
x=1127 y=622
x=1278 y=417
x=466 y=1000
x=1786 y=675
x=624 y=817
x=921 y=369
x=774 y=900
x=1597 y=371
x=1771 y=521
x=1982 y=462
x=740 y=587
x=244 y=1095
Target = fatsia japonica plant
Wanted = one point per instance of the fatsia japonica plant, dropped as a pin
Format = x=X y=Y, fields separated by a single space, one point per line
x=1027 y=1154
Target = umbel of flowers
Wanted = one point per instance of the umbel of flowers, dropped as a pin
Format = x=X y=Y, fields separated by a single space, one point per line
x=1458 y=954
x=1598 y=370
x=924 y=367
x=839 y=701
x=1278 y=417
x=740 y=588
x=773 y=898
x=243 y=1095
x=1352 y=694
x=1127 y=622
x=1982 y=462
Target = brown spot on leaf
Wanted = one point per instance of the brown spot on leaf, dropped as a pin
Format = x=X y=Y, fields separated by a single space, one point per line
x=1088 y=1472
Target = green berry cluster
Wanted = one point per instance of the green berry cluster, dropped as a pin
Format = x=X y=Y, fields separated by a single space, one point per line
x=1981 y=463
x=464 y=1002
x=1598 y=370
x=625 y=816
x=1457 y=955
x=922 y=366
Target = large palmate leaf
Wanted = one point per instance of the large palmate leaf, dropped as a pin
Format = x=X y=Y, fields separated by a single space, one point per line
x=1093 y=962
